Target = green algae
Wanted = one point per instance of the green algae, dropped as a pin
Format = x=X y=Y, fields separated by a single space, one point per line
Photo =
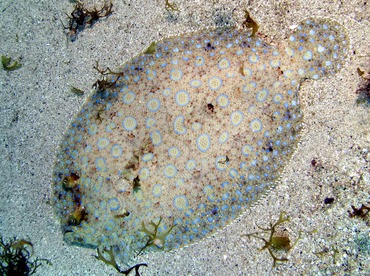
x=9 y=64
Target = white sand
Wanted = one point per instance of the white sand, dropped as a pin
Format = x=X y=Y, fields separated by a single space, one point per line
x=37 y=106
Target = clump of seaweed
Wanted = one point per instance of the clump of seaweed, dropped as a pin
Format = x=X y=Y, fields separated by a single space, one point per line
x=361 y=212
x=77 y=212
x=136 y=184
x=15 y=258
x=77 y=91
x=103 y=84
x=363 y=91
x=171 y=7
x=249 y=23
x=172 y=11
x=81 y=17
x=154 y=238
x=112 y=262
x=332 y=252
x=9 y=64
x=151 y=49
x=276 y=242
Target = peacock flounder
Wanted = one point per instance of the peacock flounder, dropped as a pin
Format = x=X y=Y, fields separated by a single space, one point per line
x=187 y=137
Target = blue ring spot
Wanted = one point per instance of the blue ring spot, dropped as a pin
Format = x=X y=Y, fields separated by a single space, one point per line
x=301 y=71
x=74 y=154
x=256 y=125
x=199 y=61
x=320 y=49
x=93 y=128
x=253 y=58
x=208 y=191
x=221 y=163
x=239 y=52
x=110 y=225
x=236 y=118
x=178 y=125
x=277 y=98
x=233 y=173
x=88 y=149
x=224 y=137
x=98 y=184
x=153 y=104
x=182 y=98
x=116 y=151
x=157 y=190
x=147 y=157
x=129 y=98
x=166 y=92
x=170 y=170
x=85 y=161
x=214 y=83
x=262 y=95
x=176 y=74
x=222 y=100
x=247 y=72
x=229 y=45
x=191 y=164
x=151 y=74
x=103 y=143
x=203 y=142
x=223 y=63
x=110 y=127
x=144 y=173
x=100 y=164
x=180 y=202
x=249 y=87
x=289 y=52
x=307 y=55
x=274 y=63
x=247 y=150
x=150 y=122
x=196 y=126
x=113 y=204
x=195 y=83
x=174 y=152
x=156 y=138
x=129 y=123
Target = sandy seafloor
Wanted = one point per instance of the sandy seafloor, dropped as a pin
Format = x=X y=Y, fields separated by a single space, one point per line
x=37 y=107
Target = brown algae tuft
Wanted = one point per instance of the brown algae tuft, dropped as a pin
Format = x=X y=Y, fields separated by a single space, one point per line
x=81 y=17
x=277 y=241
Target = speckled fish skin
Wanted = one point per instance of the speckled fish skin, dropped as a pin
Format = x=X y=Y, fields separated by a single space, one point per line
x=189 y=137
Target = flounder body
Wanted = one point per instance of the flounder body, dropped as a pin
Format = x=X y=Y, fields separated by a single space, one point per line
x=188 y=137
